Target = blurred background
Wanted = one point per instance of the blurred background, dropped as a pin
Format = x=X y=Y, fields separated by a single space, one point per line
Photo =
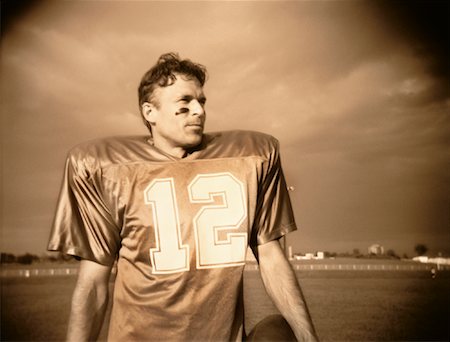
x=357 y=92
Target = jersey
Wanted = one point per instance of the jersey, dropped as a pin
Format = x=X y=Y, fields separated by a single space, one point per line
x=179 y=228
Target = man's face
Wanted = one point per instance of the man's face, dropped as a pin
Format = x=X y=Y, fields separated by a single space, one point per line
x=177 y=115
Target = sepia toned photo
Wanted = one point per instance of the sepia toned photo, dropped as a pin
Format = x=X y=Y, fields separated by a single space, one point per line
x=225 y=170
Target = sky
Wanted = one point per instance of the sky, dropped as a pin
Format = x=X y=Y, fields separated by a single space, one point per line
x=357 y=93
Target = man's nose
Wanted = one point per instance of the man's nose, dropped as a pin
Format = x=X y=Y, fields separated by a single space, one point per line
x=197 y=108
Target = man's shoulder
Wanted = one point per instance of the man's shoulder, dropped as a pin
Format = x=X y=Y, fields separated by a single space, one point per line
x=244 y=142
x=243 y=134
x=108 y=148
x=108 y=143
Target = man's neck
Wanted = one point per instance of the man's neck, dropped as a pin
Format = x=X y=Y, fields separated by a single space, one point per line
x=174 y=151
x=177 y=152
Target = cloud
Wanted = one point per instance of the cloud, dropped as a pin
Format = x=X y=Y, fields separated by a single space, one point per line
x=356 y=99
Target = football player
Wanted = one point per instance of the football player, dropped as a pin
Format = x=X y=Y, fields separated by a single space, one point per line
x=177 y=210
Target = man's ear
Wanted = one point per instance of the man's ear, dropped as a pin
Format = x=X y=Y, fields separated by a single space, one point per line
x=149 y=111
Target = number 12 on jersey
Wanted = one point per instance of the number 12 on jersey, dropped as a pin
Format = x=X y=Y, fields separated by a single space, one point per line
x=212 y=250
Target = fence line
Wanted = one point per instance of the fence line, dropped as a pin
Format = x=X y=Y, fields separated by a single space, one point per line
x=27 y=273
x=39 y=272
x=358 y=267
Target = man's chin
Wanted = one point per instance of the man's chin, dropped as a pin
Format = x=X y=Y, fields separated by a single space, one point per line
x=194 y=140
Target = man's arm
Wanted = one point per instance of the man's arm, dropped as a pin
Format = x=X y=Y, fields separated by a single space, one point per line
x=283 y=288
x=89 y=302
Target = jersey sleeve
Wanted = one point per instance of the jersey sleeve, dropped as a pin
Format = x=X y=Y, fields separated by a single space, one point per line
x=274 y=216
x=83 y=226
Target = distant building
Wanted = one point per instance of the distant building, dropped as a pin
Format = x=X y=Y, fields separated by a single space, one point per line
x=309 y=256
x=421 y=258
x=439 y=261
x=376 y=249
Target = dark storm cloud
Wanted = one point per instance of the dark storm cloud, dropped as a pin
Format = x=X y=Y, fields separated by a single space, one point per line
x=425 y=25
x=12 y=11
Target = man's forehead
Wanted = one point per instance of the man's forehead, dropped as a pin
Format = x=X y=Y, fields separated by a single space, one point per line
x=182 y=85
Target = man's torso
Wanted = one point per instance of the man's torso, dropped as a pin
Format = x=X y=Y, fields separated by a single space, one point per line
x=184 y=227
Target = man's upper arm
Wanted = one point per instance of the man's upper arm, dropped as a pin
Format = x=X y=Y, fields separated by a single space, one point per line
x=270 y=254
x=92 y=273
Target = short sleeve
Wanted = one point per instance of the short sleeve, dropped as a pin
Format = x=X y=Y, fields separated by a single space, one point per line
x=83 y=226
x=274 y=217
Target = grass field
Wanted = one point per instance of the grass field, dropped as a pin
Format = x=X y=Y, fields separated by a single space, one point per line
x=345 y=305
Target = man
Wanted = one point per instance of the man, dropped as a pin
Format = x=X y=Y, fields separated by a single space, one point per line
x=177 y=210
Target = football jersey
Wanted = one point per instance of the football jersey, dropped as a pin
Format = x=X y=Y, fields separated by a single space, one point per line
x=179 y=228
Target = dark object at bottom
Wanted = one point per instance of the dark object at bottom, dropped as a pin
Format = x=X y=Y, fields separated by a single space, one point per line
x=271 y=328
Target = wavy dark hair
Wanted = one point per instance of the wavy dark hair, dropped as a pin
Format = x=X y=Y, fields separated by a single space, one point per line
x=162 y=74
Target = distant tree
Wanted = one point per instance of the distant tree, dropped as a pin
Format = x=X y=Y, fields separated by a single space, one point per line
x=391 y=253
x=421 y=249
x=27 y=259
x=327 y=254
x=7 y=258
x=356 y=252
x=57 y=257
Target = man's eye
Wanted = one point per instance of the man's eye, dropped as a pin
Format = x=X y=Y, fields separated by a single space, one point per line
x=183 y=110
